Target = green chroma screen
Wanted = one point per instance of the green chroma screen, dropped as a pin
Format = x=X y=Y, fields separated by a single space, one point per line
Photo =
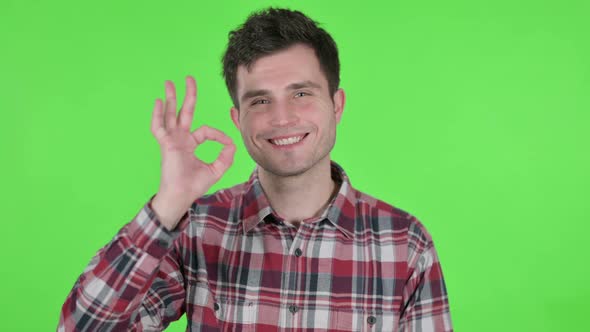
x=471 y=115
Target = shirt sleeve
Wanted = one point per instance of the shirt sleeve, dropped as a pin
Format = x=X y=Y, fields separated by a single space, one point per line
x=425 y=301
x=134 y=283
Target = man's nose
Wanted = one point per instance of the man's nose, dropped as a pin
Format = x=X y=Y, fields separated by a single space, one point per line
x=284 y=115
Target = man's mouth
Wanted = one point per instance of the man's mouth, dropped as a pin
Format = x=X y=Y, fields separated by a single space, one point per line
x=285 y=141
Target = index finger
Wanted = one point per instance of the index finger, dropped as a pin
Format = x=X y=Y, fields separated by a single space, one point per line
x=207 y=133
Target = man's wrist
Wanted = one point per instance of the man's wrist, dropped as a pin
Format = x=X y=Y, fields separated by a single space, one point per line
x=169 y=209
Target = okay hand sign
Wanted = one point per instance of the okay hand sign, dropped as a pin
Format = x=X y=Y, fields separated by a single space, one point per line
x=184 y=176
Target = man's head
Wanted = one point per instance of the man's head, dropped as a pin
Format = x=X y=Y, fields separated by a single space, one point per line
x=272 y=30
x=282 y=72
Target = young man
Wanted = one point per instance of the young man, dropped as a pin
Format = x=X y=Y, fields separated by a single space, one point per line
x=295 y=247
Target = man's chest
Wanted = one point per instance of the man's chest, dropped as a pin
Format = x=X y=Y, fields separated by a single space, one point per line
x=313 y=277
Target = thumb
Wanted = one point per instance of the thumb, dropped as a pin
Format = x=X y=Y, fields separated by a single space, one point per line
x=225 y=159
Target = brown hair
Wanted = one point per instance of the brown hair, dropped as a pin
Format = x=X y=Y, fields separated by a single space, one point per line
x=274 y=29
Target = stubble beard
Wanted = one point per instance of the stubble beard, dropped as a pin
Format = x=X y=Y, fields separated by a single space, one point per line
x=289 y=167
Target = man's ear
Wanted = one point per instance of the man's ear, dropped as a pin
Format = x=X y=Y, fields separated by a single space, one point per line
x=339 y=100
x=235 y=116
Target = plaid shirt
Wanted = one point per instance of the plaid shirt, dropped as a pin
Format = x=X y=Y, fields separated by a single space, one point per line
x=233 y=264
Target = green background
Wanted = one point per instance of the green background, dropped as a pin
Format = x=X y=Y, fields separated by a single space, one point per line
x=471 y=115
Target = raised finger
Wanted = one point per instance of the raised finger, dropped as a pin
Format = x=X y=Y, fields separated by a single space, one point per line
x=188 y=106
x=157 y=118
x=170 y=109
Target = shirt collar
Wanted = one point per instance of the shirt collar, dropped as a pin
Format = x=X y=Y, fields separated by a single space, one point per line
x=341 y=211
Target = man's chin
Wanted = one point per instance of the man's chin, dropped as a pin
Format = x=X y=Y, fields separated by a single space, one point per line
x=286 y=169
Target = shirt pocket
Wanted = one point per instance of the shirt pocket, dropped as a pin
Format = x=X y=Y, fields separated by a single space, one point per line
x=366 y=320
x=235 y=314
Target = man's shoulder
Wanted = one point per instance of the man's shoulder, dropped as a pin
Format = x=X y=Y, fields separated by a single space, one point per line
x=223 y=196
x=222 y=205
x=383 y=215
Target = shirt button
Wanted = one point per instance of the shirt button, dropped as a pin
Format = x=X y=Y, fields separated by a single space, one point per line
x=371 y=320
x=298 y=252
x=293 y=309
x=216 y=306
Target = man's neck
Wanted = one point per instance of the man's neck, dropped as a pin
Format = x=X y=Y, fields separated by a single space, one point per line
x=300 y=197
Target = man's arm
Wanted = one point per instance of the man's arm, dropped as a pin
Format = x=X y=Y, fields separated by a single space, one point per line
x=425 y=303
x=133 y=283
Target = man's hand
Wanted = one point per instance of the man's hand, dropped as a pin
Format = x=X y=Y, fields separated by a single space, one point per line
x=184 y=176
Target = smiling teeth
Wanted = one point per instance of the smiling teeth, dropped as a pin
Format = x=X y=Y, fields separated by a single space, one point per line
x=286 y=141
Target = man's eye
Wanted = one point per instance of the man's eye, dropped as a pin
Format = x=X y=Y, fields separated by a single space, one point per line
x=300 y=94
x=260 y=101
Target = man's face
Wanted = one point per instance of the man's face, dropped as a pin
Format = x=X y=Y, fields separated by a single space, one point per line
x=287 y=117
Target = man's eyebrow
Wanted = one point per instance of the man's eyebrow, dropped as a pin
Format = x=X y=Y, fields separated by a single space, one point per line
x=254 y=93
x=293 y=86
x=304 y=84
